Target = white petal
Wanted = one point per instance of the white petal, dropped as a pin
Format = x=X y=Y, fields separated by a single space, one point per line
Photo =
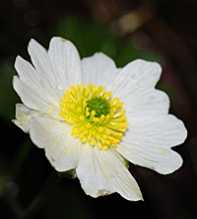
x=42 y=63
x=30 y=97
x=152 y=102
x=103 y=172
x=169 y=163
x=148 y=143
x=26 y=71
x=61 y=149
x=66 y=62
x=23 y=117
x=135 y=77
x=36 y=81
x=98 y=69
x=162 y=160
x=164 y=131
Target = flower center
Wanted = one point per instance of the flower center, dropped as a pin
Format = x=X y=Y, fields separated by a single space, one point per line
x=97 y=118
x=99 y=105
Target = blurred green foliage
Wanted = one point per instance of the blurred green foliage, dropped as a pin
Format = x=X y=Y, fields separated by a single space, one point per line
x=8 y=97
x=93 y=37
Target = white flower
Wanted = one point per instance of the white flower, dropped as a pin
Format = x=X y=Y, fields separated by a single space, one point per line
x=91 y=116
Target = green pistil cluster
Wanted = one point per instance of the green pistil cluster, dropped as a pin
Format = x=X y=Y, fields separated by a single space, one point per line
x=99 y=105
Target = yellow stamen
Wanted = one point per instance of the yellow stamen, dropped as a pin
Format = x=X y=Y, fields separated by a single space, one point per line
x=96 y=117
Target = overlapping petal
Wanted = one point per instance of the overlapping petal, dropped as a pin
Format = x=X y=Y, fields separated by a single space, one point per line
x=104 y=172
x=135 y=77
x=148 y=143
x=65 y=61
x=98 y=69
x=62 y=150
x=23 y=117
x=32 y=98
x=33 y=79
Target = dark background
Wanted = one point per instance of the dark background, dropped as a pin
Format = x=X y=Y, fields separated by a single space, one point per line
x=160 y=30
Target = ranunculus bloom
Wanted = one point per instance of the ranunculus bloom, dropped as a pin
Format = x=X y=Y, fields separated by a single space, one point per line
x=91 y=116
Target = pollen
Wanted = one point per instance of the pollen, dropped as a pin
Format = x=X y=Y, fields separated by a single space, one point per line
x=96 y=117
